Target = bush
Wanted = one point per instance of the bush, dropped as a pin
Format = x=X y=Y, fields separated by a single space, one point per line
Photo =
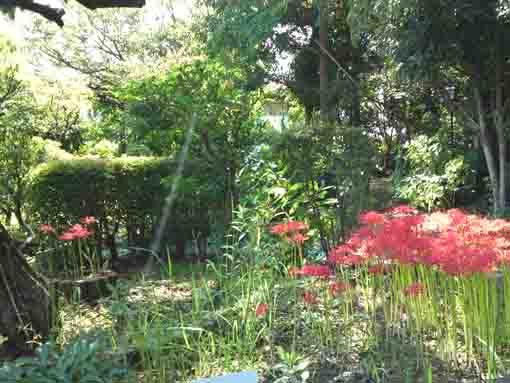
x=81 y=361
x=433 y=174
x=126 y=192
x=103 y=149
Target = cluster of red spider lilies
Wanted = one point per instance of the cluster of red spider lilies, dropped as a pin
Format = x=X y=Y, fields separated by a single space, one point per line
x=77 y=231
x=452 y=241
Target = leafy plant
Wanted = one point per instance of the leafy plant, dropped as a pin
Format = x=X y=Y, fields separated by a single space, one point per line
x=433 y=174
x=294 y=368
x=81 y=361
x=123 y=193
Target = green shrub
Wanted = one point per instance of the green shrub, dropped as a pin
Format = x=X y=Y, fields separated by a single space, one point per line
x=103 y=149
x=81 y=361
x=125 y=193
x=433 y=174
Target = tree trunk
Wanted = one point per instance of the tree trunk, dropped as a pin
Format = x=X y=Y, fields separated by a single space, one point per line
x=24 y=298
x=356 y=96
x=487 y=148
x=499 y=122
x=324 y=61
x=202 y=246
x=180 y=248
x=308 y=116
x=114 y=253
x=19 y=215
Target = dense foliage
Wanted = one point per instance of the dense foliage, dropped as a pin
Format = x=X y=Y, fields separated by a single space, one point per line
x=290 y=120
x=126 y=194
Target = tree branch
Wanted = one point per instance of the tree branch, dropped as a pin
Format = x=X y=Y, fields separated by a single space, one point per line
x=49 y=13
x=95 y=4
x=56 y=14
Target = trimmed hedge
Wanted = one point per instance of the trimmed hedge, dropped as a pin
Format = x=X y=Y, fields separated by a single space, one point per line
x=127 y=193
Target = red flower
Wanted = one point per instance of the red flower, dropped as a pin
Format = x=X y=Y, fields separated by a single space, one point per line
x=341 y=250
x=402 y=210
x=299 y=238
x=80 y=232
x=316 y=271
x=414 y=290
x=47 y=229
x=379 y=269
x=67 y=236
x=75 y=232
x=289 y=227
x=310 y=298
x=88 y=220
x=342 y=255
x=261 y=310
x=296 y=226
x=457 y=216
x=336 y=288
x=294 y=271
x=279 y=229
x=371 y=218
x=454 y=242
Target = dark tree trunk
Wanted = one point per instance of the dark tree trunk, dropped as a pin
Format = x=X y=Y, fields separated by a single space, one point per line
x=24 y=299
x=308 y=116
x=114 y=253
x=324 y=61
x=202 y=247
x=180 y=248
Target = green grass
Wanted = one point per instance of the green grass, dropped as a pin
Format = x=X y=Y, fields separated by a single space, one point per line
x=201 y=322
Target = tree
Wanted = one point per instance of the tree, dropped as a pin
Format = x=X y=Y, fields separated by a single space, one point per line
x=324 y=60
x=107 y=46
x=24 y=297
x=158 y=109
x=61 y=121
x=17 y=127
x=327 y=64
x=437 y=42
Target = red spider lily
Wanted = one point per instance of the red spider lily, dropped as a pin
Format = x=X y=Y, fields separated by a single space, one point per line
x=294 y=271
x=402 y=210
x=261 y=310
x=296 y=226
x=68 y=236
x=469 y=261
x=342 y=255
x=455 y=242
x=357 y=240
x=298 y=238
x=457 y=216
x=336 y=288
x=75 y=232
x=47 y=229
x=80 y=232
x=498 y=226
x=379 y=269
x=88 y=220
x=289 y=227
x=342 y=250
x=279 y=229
x=371 y=218
x=322 y=271
x=414 y=290
x=310 y=298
